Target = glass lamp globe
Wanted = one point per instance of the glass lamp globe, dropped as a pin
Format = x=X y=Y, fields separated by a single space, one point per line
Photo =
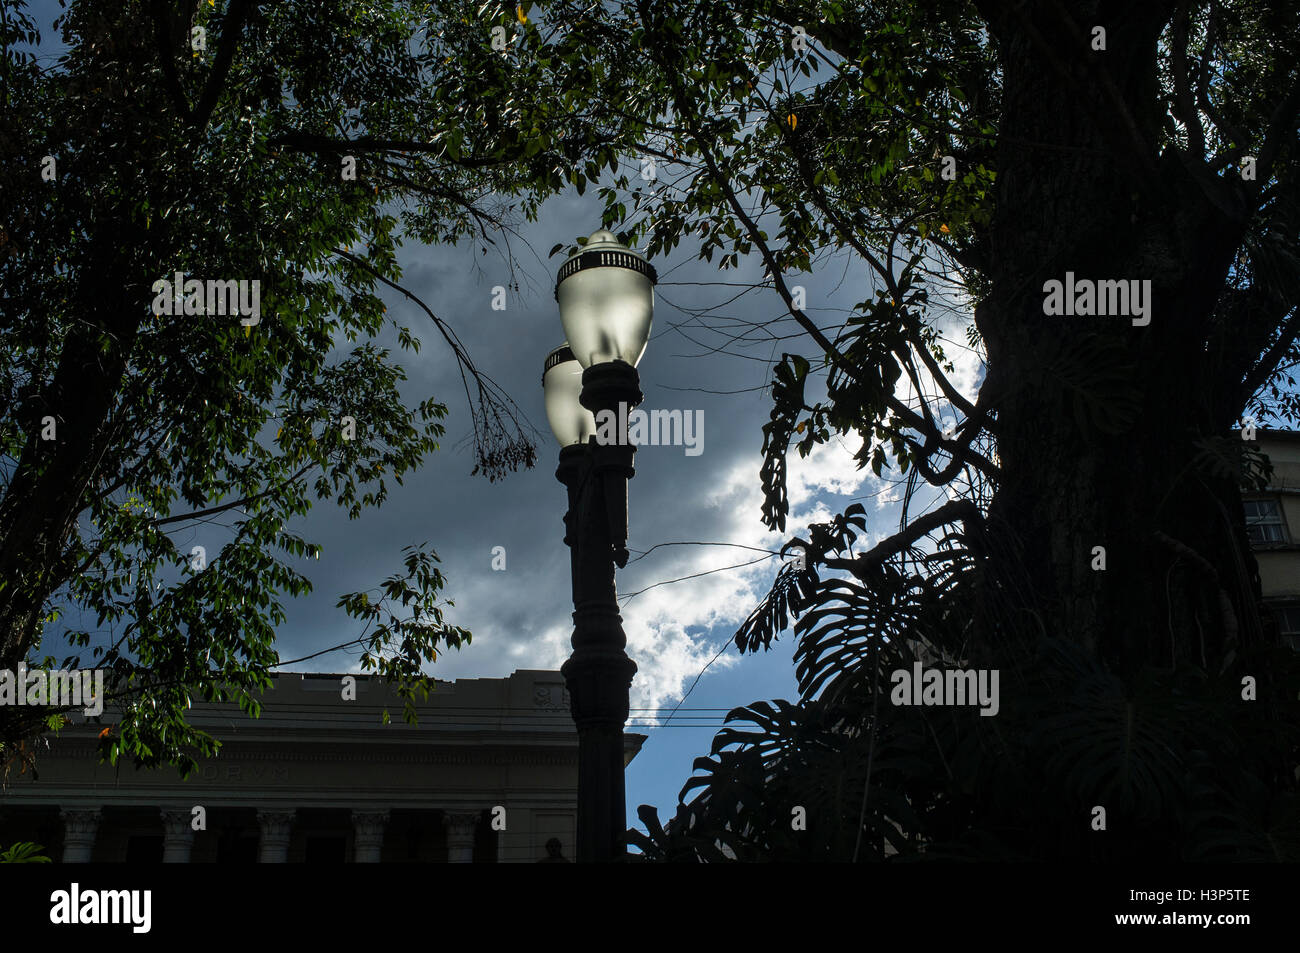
x=562 y=384
x=606 y=296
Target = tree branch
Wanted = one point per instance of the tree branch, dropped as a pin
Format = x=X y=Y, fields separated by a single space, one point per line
x=683 y=105
x=311 y=142
x=1183 y=105
x=960 y=449
x=1281 y=125
x=163 y=34
x=231 y=28
x=951 y=512
x=1266 y=365
x=214 y=510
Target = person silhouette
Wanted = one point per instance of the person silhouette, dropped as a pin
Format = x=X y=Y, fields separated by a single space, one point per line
x=554 y=853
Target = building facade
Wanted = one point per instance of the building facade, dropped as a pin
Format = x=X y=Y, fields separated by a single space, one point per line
x=1273 y=527
x=489 y=774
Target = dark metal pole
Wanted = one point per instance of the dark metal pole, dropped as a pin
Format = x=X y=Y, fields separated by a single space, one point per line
x=599 y=672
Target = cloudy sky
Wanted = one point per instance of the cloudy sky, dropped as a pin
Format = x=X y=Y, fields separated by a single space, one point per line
x=520 y=617
x=681 y=603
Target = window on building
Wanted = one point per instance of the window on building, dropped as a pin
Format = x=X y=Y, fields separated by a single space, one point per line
x=326 y=849
x=237 y=847
x=485 y=840
x=144 y=849
x=1288 y=624
x=1264 y=523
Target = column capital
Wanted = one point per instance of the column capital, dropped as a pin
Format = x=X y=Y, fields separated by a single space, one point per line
x=80 y=819
x=461 y=827
x=177 y=820
x=275 y=821
x=460 y=823
x=80 y=825
x=178 y=835
x=276 y=826
x=369 y=822
x=368 y=836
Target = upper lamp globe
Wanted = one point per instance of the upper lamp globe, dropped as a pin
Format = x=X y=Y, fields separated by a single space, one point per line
x=607 y=300
x=562 y=385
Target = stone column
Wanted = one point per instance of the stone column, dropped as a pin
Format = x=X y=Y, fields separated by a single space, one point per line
x=273 y=848
x=79 y=829
x=460 y=837
x=178 y=836
x=368 y=840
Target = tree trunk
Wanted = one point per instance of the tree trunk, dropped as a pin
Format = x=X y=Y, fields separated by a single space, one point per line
x=49 y=489
x=1082 y=188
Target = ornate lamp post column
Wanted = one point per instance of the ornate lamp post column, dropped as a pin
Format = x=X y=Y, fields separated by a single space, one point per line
x=606 y=298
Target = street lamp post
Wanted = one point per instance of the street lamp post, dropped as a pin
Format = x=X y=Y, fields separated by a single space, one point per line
x=605 y=293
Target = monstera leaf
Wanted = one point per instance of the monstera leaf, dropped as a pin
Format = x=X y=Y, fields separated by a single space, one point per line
x=793 y=590
x=796 y=583
x=1109 y=747
x=1230 y=458
x=787 y=403
x=849 y=622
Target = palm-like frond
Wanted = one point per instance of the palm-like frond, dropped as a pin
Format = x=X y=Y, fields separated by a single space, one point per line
x=1183 y=765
